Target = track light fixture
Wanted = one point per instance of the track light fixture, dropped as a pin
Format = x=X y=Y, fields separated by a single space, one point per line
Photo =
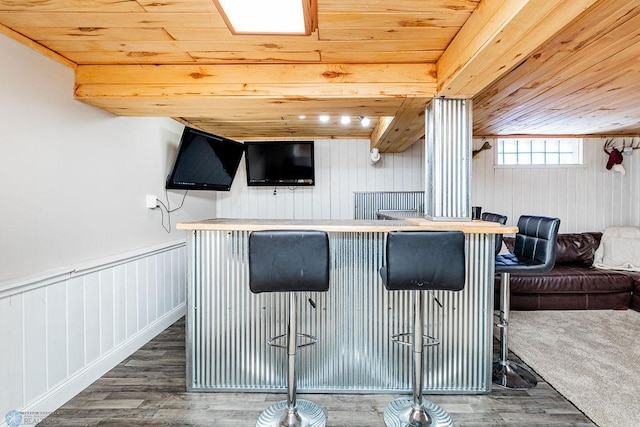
x=364 y=121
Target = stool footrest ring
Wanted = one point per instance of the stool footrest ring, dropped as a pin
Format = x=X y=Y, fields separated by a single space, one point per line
x=429 y=341
x=311 y=338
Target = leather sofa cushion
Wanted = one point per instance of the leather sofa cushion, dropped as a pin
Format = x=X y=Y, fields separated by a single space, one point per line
x=571 y=248
x=577 y=248
x=587 y=301
x=565 y=279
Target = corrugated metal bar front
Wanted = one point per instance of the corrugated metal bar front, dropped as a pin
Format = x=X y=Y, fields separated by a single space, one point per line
x=366 y=204
x=448 y=159
x=228 y=326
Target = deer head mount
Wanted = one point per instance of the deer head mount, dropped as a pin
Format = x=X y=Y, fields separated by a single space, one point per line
x=616 y=154
x=485 y=146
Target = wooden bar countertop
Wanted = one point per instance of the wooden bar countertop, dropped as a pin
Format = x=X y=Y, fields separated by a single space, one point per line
x=346 y=226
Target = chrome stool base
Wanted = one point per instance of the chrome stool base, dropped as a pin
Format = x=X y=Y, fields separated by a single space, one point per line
x=401 y=413
x=508 y=374
x=305 y=414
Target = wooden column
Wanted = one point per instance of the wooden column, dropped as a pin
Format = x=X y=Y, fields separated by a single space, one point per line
x=448 y=159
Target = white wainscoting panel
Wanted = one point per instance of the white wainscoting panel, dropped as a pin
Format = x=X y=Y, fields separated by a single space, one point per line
x=75 y=316
x=34 y=342
x=342 y=166
x=62 y=331
x=585 y=198
x=12 y=354
x=57 y=346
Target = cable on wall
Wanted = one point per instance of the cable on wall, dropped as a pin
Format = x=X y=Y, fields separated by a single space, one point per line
x=168 y=209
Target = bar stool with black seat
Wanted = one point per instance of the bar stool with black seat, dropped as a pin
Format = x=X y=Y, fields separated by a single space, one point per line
x=500 y=219
x=420 y=261
x=534 y=253
x=292 y=262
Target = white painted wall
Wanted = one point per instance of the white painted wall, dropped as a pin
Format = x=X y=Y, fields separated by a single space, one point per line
x=342 y=167
x=87 y=272
x=73 y=178
x=585 y=198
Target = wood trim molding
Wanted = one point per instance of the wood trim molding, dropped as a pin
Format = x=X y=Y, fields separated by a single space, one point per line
x=36 y=46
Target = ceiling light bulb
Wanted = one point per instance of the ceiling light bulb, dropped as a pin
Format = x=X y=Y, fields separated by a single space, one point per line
x=323 y=118
x=302 y=117
x=365 y=122
x=345 y=120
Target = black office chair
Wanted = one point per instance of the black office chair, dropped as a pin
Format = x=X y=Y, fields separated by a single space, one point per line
x=493 y=217
x=534 y=252
x=419 y=261
x=292 y=262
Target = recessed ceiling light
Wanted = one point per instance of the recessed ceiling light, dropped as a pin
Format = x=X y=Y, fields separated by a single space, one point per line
x=345 y=120
x=323 y=118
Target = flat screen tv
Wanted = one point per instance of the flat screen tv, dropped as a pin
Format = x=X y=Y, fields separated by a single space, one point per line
x=273 y=163
x=205 y=162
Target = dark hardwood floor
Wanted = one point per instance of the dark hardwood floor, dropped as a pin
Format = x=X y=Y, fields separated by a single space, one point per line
x=148 y=389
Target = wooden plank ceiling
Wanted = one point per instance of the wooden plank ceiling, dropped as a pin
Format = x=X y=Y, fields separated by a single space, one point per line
x=531 y=66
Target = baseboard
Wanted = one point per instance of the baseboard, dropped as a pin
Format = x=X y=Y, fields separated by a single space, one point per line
x=73 y=385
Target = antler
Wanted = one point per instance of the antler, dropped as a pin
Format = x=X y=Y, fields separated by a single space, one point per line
x=633 y=145
x=608 y=144
x=485 y=146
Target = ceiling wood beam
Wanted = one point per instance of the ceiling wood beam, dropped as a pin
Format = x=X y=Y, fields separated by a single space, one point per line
x=242 y=108
x=243 y=93
x=421 y=75
x=379 y=130
x=497 y=37
x=404 y=130
x=279 y=82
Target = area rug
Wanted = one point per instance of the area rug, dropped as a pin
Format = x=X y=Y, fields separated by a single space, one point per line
x=591 y=357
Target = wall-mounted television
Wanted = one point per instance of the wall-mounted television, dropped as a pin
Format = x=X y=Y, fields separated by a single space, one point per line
x=274 y=163
x=205 y=162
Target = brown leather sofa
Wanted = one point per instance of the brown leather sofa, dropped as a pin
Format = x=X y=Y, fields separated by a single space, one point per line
x=635 y=298
x=573 y=284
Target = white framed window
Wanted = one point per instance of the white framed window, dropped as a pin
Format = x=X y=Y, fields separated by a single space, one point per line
x=539 y=151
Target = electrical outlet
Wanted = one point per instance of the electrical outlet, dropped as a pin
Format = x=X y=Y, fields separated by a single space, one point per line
x=152 y=201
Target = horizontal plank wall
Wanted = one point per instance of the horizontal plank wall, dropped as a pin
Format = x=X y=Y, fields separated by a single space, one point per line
x=62 y=331
x=341 y=168
x=585 y=198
